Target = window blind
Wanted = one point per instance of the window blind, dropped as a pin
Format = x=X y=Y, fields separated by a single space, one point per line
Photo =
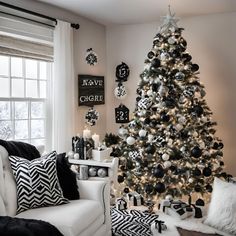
x=24 y=48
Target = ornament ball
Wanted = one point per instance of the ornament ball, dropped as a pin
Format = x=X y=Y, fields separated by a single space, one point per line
x=165 y=157
x=130 y=140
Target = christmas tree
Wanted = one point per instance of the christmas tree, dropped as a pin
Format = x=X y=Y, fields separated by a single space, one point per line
x=170 y=147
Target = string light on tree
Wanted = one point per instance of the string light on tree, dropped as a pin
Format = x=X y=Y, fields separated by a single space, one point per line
x=169 y=146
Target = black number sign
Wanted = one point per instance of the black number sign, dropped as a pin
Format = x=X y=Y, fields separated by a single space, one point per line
x=122 y=114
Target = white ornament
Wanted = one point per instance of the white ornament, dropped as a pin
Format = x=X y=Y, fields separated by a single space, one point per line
x=70 y=154
x=142 y=133
x=150 y=138
x=122 y=132
x=167 y=164
x=165 y=157
x=171 y=40
x=169 y=197
x=130 y=140
x=120 y=92
x=145 y=79
x=195 y=134
x=144 y=103
x=182 y=120
x=149 y=92
x=76 y=156
x=179 y=127
x=190 y=180
x=163 y=90
x=204 y=119
x=170 y=141
x=202 y=145
x=164 y=56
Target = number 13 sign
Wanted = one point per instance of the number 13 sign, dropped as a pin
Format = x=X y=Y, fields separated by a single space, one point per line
x=122 y=114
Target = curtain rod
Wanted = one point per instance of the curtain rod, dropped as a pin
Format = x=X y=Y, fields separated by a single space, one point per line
x=73 y=25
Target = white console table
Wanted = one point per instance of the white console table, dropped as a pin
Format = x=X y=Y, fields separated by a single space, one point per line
x=112 y=166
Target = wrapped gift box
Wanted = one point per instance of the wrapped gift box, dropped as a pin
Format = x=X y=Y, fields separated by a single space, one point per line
x=121 y=204
x=101 y=155
x=135 y=199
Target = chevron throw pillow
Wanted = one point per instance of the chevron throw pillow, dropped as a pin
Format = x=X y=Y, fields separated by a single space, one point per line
x=37 y=182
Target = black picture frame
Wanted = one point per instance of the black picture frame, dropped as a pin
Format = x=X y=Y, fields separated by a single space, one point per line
x=91 y=90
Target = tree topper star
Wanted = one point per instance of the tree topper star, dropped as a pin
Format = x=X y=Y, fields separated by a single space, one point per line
x=169 y=21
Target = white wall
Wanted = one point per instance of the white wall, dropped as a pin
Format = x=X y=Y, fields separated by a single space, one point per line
x=90 y=35
x=211 y=42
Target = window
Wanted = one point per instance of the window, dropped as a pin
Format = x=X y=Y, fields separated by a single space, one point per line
x=23 y=99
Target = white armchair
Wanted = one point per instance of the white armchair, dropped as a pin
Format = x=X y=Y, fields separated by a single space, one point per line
x=88 y=216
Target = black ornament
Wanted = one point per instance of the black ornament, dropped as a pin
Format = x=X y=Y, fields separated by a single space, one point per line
x=91 y=57
x=150 y=149
x=169 y=102
x=222 y=163
x=195 y=67
x=179 y=76
x=221 y=145
x=151 y=54
x=184 y=134
x=129 y=165
x=209 y=188
x=200 y=202
x=126 y=190
x=196 y=152
x=155 y=87
x=155 y=63
x=122 y=72
x=148 y=188
x=120 y=179
x=165 y=117
x=207 y=172
x=198 y=110
x=215 y=145
x=197 y=188
x=158 y=171
x=147 y=121
x=173 y=168
x=175 y=53
x=160 y=187
x=197 y=172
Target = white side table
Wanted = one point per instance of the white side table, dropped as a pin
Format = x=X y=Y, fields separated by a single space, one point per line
x=112 y=166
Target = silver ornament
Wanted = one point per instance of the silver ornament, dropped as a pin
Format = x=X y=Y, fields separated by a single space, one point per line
x=92 y=171
x=122 y=132
x=179 y=76
x=163 y=90
x=102 y=172
x=167 y=164
x=165 y=157
x=142 y=133
x=130 y=140
x=171 y=40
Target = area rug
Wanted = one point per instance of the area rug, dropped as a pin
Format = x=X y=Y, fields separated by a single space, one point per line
x=184 y=232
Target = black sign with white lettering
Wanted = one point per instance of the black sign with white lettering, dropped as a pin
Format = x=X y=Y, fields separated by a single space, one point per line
x=122 y=114
x=91 y=90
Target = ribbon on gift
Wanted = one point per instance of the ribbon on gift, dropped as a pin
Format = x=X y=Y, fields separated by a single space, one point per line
x=160 y=226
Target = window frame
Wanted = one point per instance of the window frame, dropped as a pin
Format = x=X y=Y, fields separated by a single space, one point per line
x=29 y=100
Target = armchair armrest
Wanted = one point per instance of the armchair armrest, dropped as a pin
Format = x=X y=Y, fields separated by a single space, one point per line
x=97 y=190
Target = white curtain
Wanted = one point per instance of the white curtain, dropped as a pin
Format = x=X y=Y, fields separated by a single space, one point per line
x=63 y=95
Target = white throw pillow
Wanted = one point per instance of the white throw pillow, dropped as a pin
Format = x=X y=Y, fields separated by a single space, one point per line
x=222 y=209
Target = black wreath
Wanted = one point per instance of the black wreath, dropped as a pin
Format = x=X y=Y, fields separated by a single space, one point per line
x=122 y=72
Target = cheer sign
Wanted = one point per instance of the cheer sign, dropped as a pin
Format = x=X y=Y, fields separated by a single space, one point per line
x=91 y=90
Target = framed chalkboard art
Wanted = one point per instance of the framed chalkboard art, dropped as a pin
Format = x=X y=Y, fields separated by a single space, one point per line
x=91 y=90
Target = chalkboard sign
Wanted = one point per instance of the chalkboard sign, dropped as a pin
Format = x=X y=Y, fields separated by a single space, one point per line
x=91 y=90
x=122 y=114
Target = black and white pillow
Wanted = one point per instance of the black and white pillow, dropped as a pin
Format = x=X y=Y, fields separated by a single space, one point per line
x=37 y=182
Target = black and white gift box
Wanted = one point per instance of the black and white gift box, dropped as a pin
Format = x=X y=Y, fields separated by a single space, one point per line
x=135 y=199
x=177 y=209
x=121 y=204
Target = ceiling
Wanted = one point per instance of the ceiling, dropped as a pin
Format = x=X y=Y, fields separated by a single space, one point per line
x=109 y=12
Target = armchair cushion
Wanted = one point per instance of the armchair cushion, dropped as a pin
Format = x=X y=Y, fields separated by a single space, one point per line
x=36 y=181
x=70 y=219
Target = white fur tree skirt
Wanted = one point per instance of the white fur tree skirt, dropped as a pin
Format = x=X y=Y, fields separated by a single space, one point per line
x=189 y=224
